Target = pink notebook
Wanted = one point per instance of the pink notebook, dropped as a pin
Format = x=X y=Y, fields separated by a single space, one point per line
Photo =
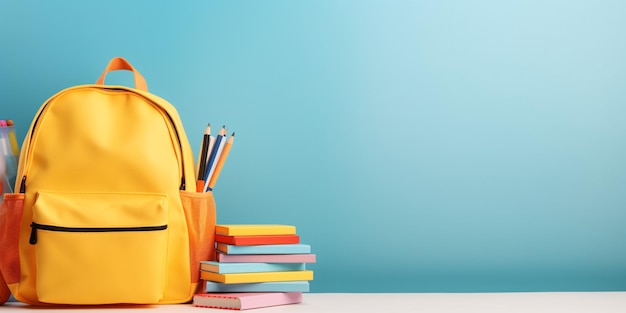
x=245 y=300
x=266 y=258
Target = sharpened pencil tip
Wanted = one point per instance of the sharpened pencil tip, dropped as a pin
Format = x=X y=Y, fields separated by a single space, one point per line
x=233 y=134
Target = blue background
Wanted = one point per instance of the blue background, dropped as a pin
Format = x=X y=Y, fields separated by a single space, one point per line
x=418 y=146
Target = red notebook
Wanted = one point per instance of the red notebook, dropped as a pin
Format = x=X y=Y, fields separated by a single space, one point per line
x=245 y=300
x=257 y=240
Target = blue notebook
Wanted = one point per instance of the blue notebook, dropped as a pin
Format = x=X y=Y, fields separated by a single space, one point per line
x=225 y=268
x=280 y=286
x=265 y=249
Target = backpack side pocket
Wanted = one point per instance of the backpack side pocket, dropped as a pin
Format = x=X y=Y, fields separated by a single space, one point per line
x=199 y=210
x=10 y=220
x=5 y=293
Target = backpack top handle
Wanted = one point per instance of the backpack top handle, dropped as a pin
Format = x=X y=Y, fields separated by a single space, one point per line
x=119 y=63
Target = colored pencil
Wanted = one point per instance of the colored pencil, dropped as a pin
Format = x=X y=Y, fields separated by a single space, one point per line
x=215 y=155
x=203 y=155
x=13 y=139
x=221 y=161
x=4 y=140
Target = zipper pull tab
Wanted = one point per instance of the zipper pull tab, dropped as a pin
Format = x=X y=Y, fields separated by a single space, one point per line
x=33 y=234
x=23 y=185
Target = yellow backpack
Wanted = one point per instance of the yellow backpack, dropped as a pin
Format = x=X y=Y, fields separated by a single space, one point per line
x=105 y=209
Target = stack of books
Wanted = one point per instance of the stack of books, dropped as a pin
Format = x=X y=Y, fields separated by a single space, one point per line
x=257 y=266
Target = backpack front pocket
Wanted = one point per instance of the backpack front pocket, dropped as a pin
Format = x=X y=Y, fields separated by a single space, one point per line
x=100 y=248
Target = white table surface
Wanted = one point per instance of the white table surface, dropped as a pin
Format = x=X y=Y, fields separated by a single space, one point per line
x=553 y=302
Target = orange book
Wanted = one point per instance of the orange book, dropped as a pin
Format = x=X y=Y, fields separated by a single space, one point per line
x=257 y=240
x=254 y=229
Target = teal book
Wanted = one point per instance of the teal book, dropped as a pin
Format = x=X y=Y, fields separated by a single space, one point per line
x=278 y=286
x=265 y=249
x=224 y=268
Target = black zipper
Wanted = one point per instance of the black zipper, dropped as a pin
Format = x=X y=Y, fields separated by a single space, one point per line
x=34 y=226
x=180 y=144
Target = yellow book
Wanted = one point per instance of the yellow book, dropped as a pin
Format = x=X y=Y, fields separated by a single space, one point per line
x=258 y=277
x=255 y=229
